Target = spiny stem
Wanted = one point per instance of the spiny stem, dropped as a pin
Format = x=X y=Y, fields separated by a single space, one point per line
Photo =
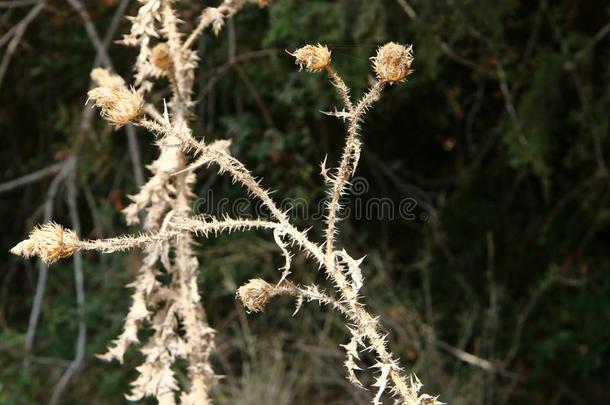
x=341 y=87
x=349 y=160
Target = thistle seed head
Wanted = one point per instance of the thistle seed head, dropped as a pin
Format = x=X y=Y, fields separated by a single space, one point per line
x=255 y=294
x=119 y=106
x=50 y=242
x=393 y=62
x=312 y=57
x=160 y=57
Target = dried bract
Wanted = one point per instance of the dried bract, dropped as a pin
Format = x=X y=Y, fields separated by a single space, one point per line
x=313 y=58
x=393 y=62
x=118 y=106
x=50 y=242
x=255 y=294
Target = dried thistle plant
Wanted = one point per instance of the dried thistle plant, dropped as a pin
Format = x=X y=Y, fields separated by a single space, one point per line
x=163 y=205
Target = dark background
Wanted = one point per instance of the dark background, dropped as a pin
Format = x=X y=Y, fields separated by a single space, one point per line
x=501 y=135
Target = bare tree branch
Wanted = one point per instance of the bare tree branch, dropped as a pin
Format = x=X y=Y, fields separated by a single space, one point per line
x=44 y=268
x=18 y=34
x=407 y=8
x=81 y=340
x=91 y=32
x=31 y=178
x=102 y=58
x=17 y=3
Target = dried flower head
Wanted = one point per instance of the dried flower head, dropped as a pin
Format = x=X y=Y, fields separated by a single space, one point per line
x=103 y=77
x=160 y=57
x=312 y=57
x=119 y=106
x=393 y=62
x=50 y=242
x=255 y=294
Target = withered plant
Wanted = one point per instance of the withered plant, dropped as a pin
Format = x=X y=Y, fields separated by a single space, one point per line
x=173 y=309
